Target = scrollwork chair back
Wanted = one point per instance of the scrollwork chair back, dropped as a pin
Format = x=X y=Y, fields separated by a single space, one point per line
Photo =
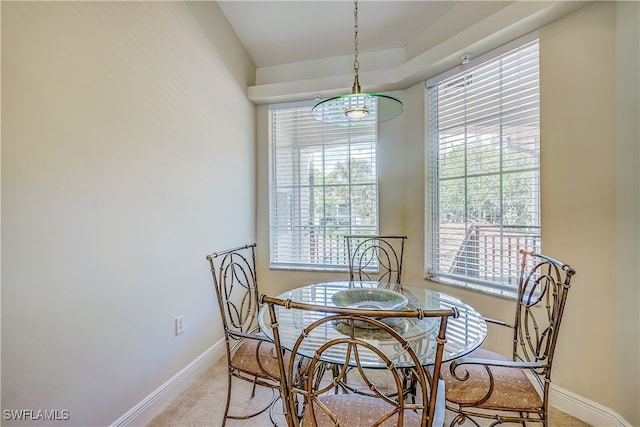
x=377 y=258
x=311 y=401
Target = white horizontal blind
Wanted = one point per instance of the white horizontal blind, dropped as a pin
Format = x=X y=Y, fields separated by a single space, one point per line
x=323 y=186
x=484 y=137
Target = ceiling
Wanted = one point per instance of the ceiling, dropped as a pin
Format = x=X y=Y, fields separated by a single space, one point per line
x=281 y=32
x=305 y=47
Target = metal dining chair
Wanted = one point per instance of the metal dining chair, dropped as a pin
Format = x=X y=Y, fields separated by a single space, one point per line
x=377 y=258
x=310 y=400
x=250 y=354
x=486 y=385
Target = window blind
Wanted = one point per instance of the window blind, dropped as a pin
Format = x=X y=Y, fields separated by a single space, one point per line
x=484 y=190
x=323 y=186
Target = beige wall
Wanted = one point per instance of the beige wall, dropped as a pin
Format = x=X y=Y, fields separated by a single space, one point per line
x=128 y=154
x=589 y=161
x=628 y=210
x=580 y=218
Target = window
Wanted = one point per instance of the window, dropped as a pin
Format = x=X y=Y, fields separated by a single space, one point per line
x=323 y=186
x=483 y=178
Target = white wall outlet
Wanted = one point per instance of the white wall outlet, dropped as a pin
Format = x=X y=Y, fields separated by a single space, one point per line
x=179 y=325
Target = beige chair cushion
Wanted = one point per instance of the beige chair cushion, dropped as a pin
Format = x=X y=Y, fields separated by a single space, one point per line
x=355 y=410
x=512 y=388
x=244 y=358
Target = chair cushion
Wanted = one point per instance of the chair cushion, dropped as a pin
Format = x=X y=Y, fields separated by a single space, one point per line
x=246 y=354
x=355 y=410
x=512 y=387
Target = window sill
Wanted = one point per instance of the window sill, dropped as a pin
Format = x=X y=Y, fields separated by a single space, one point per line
x=474 y=287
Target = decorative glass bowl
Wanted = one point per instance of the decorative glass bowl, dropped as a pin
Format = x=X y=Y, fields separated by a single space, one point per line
x=369 y=298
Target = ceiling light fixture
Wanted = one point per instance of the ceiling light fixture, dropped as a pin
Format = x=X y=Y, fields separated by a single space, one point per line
x=341 y=110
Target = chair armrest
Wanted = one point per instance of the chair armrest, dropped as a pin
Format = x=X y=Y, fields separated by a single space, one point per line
x=493 y=362
x=238 y=334
x=497 y=322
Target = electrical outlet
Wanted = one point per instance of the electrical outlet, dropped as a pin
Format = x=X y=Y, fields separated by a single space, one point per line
x=179 y=325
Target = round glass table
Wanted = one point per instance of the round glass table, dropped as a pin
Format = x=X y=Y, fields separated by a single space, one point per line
x=464 y=334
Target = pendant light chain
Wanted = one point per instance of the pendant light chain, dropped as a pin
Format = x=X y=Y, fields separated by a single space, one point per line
x=347 y=110
x=356 y=63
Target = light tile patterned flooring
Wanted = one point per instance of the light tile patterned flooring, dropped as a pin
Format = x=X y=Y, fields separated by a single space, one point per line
x=202 y=405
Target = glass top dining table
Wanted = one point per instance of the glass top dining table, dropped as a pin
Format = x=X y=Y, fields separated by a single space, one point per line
x=464 y=334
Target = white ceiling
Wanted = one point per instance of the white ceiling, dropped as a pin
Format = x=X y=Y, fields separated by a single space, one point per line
x=281 y=32
x=306 y=47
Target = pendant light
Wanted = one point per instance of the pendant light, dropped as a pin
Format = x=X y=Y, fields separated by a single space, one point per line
x=344 y=109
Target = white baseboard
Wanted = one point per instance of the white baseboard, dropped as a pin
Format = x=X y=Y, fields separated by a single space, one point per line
x=144 y=411
x=584 y=409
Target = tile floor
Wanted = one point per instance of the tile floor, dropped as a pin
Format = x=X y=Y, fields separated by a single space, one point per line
x=202 y=405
